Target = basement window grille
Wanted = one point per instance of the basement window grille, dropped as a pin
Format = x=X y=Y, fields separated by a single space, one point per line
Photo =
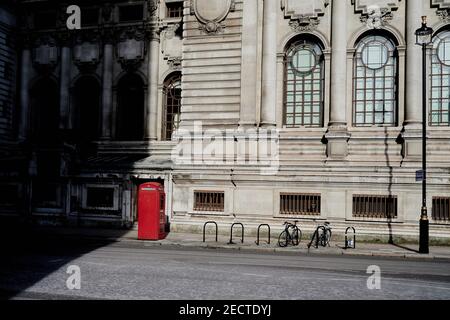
x=209 y=201
x=379 y=207
x=441 y=208
x=300 y=204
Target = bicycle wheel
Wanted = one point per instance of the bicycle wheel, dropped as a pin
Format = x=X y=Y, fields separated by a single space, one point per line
x=283 y=239
x=296 y=236
x=327 y=237
x=322 y=237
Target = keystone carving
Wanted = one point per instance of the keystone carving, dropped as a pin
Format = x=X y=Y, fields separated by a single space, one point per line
x=375 y=13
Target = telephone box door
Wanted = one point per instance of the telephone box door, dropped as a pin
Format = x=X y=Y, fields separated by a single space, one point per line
x=151 y=212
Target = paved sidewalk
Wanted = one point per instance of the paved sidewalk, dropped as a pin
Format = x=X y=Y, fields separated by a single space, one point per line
x=196 y=241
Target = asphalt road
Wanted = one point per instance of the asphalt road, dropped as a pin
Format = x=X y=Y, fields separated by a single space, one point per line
x=126 y=271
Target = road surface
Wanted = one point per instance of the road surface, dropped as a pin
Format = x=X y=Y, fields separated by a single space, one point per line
x=38 y=270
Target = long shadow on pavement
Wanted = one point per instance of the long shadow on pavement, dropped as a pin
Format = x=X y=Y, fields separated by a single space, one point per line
x=30 y=255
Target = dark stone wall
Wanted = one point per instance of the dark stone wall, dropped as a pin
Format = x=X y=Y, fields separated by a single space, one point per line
x=8 y=72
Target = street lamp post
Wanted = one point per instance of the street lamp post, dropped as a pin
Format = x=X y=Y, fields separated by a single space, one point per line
x=424 y=37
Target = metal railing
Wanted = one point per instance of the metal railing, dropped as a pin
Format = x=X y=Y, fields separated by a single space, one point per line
x=348 y=244
x=204 y=230
x=259 y=229
x=242 y=234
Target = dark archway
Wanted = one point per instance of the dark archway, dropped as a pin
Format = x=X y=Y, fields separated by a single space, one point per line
x=45 y=111
x=130 y=108
x=87 y=103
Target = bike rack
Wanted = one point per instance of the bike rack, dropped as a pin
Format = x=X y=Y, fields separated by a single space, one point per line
x=346 y=238
x=204 y=230
x=316 y=236
x=232 y=227
x=259 y=229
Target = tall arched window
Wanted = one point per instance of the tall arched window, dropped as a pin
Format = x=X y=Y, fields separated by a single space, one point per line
x=130 y=108
x=172 y=106
x=304 y=84
x=86 y=100
x=375 y=82
x=440 y=80
x=45 y=111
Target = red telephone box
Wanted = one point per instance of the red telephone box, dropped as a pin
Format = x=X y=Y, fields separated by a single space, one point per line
x=151 y=212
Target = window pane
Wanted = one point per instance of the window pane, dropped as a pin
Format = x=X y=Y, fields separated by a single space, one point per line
x=375 y=87
x=305 y=66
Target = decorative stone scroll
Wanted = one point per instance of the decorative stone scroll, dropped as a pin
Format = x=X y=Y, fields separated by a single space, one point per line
x=304 y=15
x=376 y=13
x=131 y=48
x=86 y=51
x=212 y=13
x=45 y=53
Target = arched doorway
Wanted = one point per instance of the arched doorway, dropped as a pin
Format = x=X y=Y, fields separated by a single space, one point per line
x=86 y=99
x=45 y=111
x=130 y=108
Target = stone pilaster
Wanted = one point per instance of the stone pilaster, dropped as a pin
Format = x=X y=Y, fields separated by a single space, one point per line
x=25 y=71
x=151 y=123
x=107 y=94
x=337 y=136
x=249 y=67
x=64 y=87
x=413 y=114
x=269 y=68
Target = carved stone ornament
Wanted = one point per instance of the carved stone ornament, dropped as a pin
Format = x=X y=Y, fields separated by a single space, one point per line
x=304 y=15
x=212 y=13
x=170 y=31
x=376 y=13
x=131 y=48
x=45 y=53
x=443 y=9
x=153 y=8
x=174 y=63
x=444 y=15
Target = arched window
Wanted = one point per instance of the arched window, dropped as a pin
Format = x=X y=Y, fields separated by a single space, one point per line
x=440 y=80
x=375 y=82
x=86 y=99
x=130 y=108
x=45 y=111
x=172 y=106
x=304 y=84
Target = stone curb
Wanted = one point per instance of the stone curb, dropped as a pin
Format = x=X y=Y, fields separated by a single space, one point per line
x=312 y=252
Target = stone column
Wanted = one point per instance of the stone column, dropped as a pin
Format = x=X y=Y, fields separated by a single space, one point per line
x=413 y=112
x=107 y=94
x=26 y=67
x=249 y=67
x=64 y=88
x=339 y=64
x=269 y=68
x=337 y=137
x=151 y=121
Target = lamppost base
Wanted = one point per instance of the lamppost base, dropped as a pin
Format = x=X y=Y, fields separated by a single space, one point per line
x=424 y=236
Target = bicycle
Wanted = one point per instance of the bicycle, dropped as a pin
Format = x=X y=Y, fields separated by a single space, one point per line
x=291 y=235
x=322 y=236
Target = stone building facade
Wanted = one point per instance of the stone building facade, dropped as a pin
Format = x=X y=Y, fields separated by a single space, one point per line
x=257 y=111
